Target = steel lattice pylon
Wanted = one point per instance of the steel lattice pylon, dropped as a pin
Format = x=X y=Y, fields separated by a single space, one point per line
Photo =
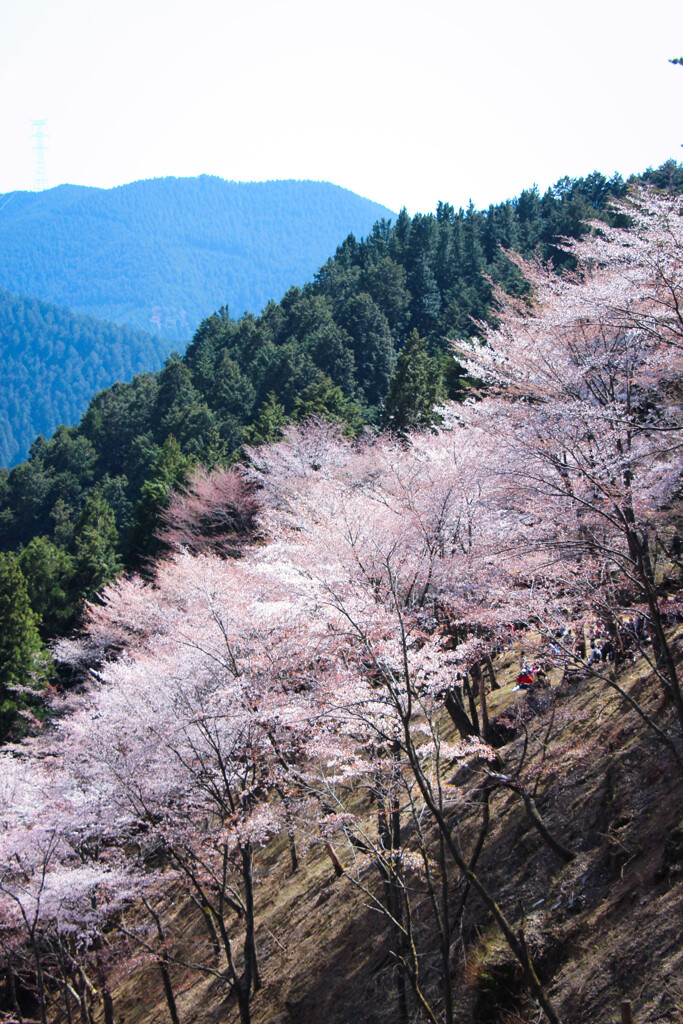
x=40 y=137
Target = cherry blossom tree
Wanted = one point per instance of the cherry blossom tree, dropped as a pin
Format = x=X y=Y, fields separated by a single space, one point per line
x=384 y=534
x=583 y=418
x=214 y=512
x=197 y=730
x=57 y=894
x=224 y=687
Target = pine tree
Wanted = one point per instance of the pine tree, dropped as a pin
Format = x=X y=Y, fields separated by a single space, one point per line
x=268 y=426
x=23 y=661
x=371 y=343
x=324 y=400
x=47 y=569
x=93 y=549
x=415 y=389
x=171 y=471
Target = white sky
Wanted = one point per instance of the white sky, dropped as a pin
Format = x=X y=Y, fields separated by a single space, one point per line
x=405 y=103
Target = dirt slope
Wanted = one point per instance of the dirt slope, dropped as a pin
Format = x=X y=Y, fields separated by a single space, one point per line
x=607 y=926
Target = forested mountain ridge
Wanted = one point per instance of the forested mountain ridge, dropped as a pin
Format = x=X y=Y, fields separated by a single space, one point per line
x=160 y=255
x=53 y=361
x=392 y=729
x=366 y=341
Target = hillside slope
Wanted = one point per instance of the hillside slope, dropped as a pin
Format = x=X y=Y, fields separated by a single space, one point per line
x=53 y=360
x=163 y=254
x=602 y=929
x=429 y=273
x=391 y=728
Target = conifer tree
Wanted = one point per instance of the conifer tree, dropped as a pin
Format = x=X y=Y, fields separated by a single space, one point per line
x=23 y=663
x=94 y=549
x=171 y=471
x=415 y=389
x=324 y=400
x=268 y=426
x=47 y=569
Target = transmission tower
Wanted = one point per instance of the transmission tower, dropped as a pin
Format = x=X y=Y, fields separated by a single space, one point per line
x=40 y=137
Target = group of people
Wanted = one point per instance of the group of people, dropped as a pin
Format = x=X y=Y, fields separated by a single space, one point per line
x=597 y=644
x=601 y=649
x=531 y=677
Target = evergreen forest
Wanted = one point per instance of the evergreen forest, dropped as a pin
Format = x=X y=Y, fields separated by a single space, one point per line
x=365 y=343
x=54 y=361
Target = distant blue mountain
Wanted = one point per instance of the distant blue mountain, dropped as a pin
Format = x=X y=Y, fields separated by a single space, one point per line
x=161 y=255
x=53 y=361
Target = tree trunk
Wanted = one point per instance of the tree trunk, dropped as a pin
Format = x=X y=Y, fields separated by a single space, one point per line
x=244 y=1003
x=83 y=994
x=444 y=935
x=13 y=991
x=290 y=831
x=207 y=917
x=108 y=1006
x=492 y=672
x=239 y=983
x=250 y=935
x=107 y=1001
x=478 y=676
x=555 y=845
x=456 y=709
x=474 y=857
x=163 y=964
x=336 y=863
x=65 y=982
x=389 y=828
x=626 y=1012
x=168 y=990
x=473 y=707
x=294 y=860
x=40 y=979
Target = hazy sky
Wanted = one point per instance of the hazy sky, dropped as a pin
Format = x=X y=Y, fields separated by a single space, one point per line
x=406 y=103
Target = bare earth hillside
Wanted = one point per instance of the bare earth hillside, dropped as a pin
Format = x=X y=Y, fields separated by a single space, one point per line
x=604 y=928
